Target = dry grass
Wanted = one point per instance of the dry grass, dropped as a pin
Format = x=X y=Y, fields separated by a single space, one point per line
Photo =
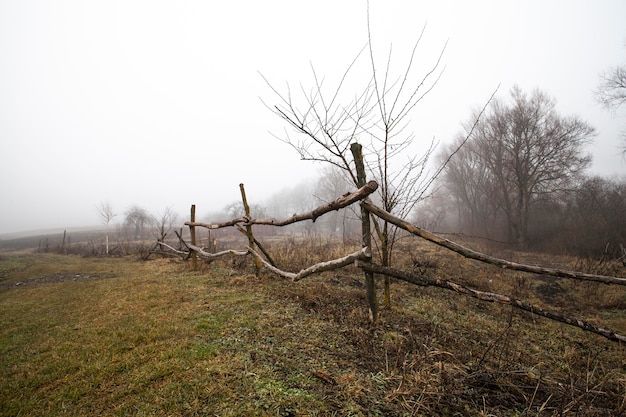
x=155 y=338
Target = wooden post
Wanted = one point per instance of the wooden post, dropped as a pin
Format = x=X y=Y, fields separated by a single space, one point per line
x=246 y=207
x=192 y=230
x=366 y=235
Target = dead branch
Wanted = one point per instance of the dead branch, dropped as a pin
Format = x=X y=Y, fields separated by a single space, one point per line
x=472 y=254
x=490 y=297
x=209 y=255
x=228 y=223
x=179 y=252
x=341 y=202
x=314 y=269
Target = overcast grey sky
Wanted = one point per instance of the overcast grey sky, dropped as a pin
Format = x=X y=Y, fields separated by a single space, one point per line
x=156 y=103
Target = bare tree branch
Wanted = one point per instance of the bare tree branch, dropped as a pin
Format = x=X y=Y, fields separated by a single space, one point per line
x=200 y=251
x=343 y=201
x=611 y=92
x=314 y=269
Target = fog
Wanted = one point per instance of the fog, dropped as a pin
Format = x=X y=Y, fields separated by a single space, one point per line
x=158 y=103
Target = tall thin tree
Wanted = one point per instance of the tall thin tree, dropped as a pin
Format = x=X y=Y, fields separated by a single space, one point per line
x=106 y=213
x=378 y=116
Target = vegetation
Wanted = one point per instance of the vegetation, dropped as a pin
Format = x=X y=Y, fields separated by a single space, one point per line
x=517 y=156
x=611 y=92
x=116 y=336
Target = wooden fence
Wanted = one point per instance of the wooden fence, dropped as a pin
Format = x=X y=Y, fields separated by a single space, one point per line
x=363 y=257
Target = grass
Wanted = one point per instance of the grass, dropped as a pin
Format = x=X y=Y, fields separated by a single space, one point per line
x=115 y=336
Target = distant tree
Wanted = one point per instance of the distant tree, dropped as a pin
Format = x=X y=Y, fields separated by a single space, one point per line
x=331 y=185
x=520 y=153
x=468 y=181
x=236 y=209
x=596 y=218
x=291 y=200
x=164 y=222
x=105 y=211
x=611 y=92
x=137 y=219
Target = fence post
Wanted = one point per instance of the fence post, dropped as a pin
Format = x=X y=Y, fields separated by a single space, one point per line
x=63 y=244
x=366 y=235
x=246 y=207
x=192 y=231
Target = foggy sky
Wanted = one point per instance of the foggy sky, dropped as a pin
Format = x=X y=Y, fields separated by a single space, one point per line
x=157 y=103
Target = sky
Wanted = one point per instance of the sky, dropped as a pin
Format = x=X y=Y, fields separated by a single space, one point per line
x=160 y=103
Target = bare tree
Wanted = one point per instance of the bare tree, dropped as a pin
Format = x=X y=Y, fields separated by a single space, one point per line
x=137 y=219
x=525 y=151
x=470 y=184
x=378 y=115
x=331 y=184
x=105 y=211
x=596 y=218
x=164 y=222
x=611 y=92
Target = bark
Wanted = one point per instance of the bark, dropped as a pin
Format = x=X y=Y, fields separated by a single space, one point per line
x=471 y=254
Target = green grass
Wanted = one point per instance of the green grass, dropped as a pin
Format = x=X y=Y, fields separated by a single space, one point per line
x=156 y=338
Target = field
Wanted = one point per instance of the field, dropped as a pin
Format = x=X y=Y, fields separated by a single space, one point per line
x=120 y=336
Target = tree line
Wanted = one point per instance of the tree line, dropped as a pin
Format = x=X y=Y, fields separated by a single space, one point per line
x=518 y=176
x=138 y=223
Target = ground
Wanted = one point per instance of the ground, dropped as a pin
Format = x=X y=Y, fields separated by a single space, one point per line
x=120 y=336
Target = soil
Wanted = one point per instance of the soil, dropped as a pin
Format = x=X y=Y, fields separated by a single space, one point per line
x=550 y=291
